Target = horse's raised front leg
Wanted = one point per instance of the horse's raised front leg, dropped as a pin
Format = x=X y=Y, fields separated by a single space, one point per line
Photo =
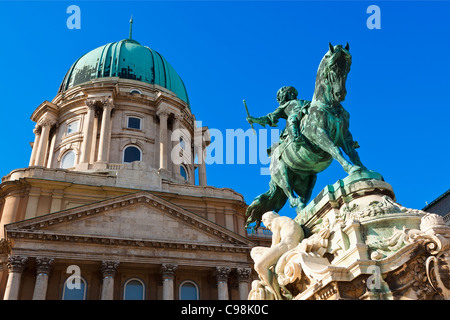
x=323 y=141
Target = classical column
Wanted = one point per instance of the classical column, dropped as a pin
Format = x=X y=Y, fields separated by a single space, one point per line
x=51 y=150
x=16 y=265
x=37 y=136
x=41 y=152
x=201 y=167
x=168 y=277
x=163 y=163
x=176 y=154
x=87 y=131
x=43 y=268
x=105 y=132
x=108 y=272
x=93 y=156
x=222 y=274
x=243 y=280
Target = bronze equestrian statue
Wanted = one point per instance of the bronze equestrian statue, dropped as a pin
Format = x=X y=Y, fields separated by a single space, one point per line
x=315 y=133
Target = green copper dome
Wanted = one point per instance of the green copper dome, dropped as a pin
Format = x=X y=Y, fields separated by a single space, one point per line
x=126 y=59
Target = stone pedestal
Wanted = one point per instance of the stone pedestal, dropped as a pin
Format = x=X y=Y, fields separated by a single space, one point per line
x=360 y=244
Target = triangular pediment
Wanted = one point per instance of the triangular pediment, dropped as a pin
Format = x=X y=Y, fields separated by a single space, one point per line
x=141 y=219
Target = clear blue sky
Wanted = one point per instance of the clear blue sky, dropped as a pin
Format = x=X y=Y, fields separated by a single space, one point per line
x=227 y=51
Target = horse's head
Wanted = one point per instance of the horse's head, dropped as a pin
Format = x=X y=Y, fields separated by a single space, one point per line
x=332 y=75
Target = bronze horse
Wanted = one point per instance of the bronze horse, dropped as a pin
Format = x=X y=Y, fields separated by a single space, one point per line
x=325 y=131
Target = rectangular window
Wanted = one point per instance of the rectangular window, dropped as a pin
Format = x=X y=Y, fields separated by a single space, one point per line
x=134 y=123
x=73 y=126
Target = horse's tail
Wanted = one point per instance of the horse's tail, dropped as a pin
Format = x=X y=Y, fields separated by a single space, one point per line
x=272 y=200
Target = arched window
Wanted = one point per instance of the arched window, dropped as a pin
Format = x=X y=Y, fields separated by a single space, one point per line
x=183 y=173
x=68 y=160
x=132 y=153
x=74 y=289
x=188 y=290
x=134 y=289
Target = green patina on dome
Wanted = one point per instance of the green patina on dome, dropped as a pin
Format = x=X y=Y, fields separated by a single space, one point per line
x=126 y=59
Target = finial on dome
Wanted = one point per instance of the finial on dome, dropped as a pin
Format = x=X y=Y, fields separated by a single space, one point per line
x=131 y=26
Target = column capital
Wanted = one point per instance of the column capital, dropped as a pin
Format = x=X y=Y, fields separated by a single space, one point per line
x=168 y=270
x=37 y=129
x=16 y=263
x=46 y=123
x=244 y=274
x=178 y=117
x=163 y=113
x=109 y=268
x=222 y=274
x=44 y=265
x=104 y=102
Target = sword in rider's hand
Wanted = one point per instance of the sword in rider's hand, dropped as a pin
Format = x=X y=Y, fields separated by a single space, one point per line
x=248 y=114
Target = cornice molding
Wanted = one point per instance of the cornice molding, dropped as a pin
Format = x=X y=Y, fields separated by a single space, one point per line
x=36 y=228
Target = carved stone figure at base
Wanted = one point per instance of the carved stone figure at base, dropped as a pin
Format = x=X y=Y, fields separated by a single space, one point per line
x=360 y=245
x=286 y=236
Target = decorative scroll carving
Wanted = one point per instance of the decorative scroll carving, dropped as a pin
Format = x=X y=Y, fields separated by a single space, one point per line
x=222 y=274
x=109 y=268
x=44 y=265
x=168 y=270
x=243 y=274
x=16 y=263
x=93 y=102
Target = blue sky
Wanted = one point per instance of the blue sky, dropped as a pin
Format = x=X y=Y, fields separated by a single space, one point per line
x=227 y=51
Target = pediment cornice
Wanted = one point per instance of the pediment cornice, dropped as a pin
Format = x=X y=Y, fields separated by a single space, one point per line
x=42 y=228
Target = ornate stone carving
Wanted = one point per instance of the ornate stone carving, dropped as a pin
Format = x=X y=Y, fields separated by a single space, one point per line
x=44 y=265
x=109 y=268
x=243 y=274
x=163 y=113
x=222 y=274
x=93 y=102
x=168 y=270
x=46 y=123
x=400 y=253
x=16 y=263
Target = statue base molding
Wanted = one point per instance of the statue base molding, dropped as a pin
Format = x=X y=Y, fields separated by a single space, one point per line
x=359 y=244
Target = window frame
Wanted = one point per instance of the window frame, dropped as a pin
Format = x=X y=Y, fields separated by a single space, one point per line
x=84 y=291
x=132 y=91
x=134 y=117
x=129 y=146
x=68 y=123
x=128 y=281
x=65 y=155
x=191 y=282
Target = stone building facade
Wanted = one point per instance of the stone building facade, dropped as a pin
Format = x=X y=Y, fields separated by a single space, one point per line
x=114 y=203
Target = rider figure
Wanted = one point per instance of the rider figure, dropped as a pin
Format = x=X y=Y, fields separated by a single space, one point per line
x=291 y=109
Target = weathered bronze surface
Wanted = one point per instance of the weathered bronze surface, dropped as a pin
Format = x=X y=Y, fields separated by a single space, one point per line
x=315 y=134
